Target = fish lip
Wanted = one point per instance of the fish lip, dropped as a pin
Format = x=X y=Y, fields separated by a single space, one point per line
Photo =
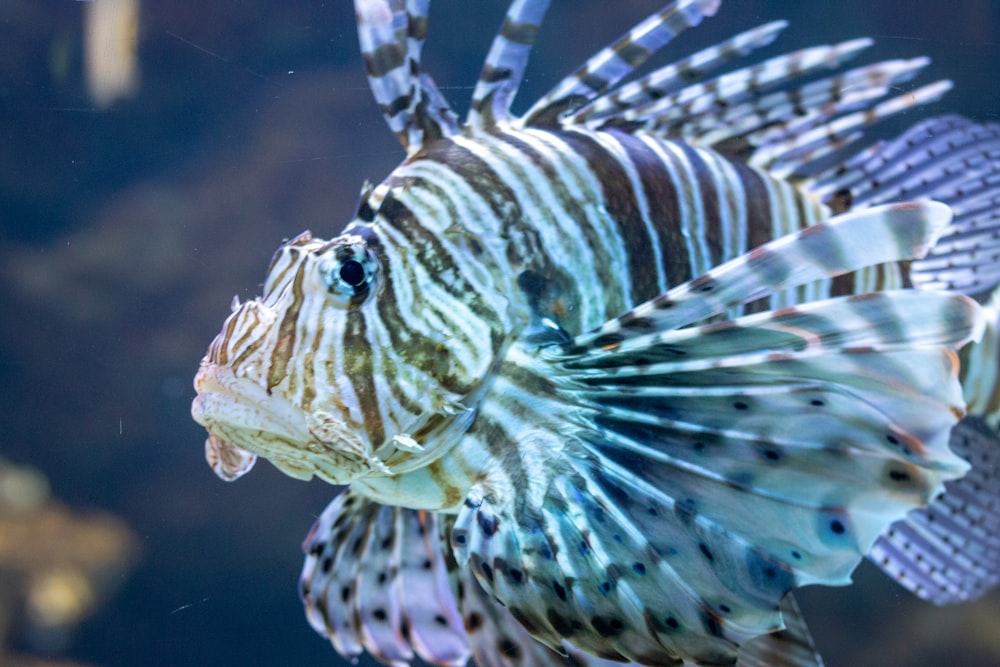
x=242 y=413
x=223 y=397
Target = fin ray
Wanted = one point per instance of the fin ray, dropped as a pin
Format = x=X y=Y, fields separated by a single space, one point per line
x=391 y=33
x=505 y=64
x=949 y=159
x=669 y=78
x=375 y=578
x=613 y=63
x=843 y=244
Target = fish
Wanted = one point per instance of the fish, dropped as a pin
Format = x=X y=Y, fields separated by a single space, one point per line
x=606 y=381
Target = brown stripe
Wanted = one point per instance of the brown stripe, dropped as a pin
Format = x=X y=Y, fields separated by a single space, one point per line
x=525 y=250
x=519 y=32
x=309 y=368
x=844 y=284
x=619 y=200
x=384 y=59
x=285 y=345
x=222 y=349
x=392 y=323
x=251 y=340
x=360 y=373
x=664 y=198
x=758 y=206
x=492 y=74
x=632 y=53
x=711 y=202
x=502 y=447
x=416 y=27
x=424 y=248
x=758 y=221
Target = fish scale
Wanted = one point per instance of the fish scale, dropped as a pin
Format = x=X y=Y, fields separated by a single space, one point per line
x=607 y=375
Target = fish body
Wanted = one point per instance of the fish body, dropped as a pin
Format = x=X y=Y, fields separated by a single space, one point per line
x=617 y=363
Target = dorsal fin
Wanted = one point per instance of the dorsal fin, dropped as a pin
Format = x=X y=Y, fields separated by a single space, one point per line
x=505 y=63
x=785 y=156
x=613 y=63
x=392 y=33
x=671 y=113
x=787 y=113
x=684 y=72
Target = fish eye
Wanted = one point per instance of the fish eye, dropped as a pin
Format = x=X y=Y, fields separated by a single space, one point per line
x=349 y=271
x=352 y=273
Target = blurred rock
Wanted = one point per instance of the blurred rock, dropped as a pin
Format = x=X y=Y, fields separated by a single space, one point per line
x=56 y=565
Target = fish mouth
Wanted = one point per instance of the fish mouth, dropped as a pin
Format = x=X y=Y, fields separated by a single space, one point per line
x=240 y=414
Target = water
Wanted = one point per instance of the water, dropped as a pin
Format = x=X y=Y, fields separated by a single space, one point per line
x=125 y=232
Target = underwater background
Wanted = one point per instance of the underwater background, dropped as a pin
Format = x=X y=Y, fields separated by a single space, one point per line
x=136 y=201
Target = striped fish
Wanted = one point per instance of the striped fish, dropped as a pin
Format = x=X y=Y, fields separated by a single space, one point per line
x=607 y=380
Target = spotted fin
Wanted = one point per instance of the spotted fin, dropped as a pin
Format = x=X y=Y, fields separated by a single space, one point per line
x=949 y=552
x=682 y=500
x=375 y=578
x=790 y=647
x=227 y=460
x=688 y=477
x=381 y=579
x=392 y=34
x=498 y=640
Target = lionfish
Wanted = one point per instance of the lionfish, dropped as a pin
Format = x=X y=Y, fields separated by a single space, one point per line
x=607 y=380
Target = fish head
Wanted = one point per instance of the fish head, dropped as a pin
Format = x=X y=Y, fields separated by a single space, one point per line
x=363 y=357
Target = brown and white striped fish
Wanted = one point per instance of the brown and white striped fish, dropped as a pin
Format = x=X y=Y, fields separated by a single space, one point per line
x=609 y=379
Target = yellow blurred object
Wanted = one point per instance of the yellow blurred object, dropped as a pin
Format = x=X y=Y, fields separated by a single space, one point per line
x=22 y=488
x=60 y=597
x=56 y=565
x=111 y=43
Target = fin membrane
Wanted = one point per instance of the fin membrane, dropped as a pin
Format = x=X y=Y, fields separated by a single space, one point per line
x=375 y=578
x=686 y=475
x=791 y=647
x=949 y=552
